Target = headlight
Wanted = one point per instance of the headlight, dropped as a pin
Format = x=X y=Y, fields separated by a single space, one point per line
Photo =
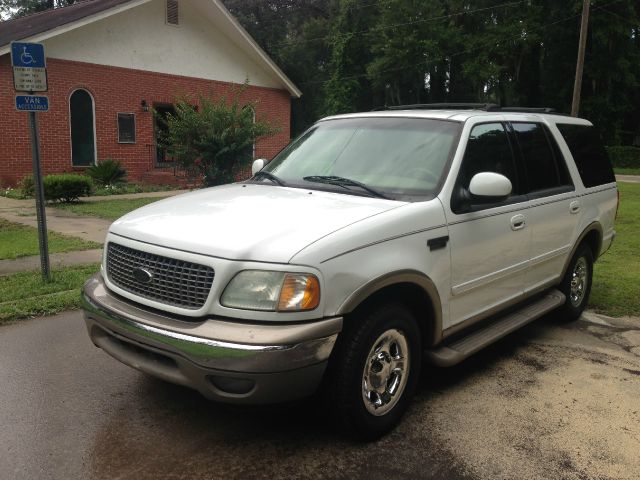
x=271 y=291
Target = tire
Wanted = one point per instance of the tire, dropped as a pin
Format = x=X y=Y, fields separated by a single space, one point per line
x=368 y=388
x=576 y=284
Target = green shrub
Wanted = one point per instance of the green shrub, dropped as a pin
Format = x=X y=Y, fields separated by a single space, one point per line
x=107 y=172
x=215 y=139
x=66 y=187
x=26 y=185
x=624 y=157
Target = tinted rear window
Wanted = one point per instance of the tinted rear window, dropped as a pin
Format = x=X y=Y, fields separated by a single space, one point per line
x=544 y=169
x=589 y=154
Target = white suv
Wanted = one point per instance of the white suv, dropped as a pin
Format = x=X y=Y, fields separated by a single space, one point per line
x=373 y=242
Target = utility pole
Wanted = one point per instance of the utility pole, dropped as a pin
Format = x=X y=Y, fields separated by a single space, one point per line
x=577 y=86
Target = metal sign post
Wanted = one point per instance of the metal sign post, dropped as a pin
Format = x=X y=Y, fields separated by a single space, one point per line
x=30 y=75
x=38 y=188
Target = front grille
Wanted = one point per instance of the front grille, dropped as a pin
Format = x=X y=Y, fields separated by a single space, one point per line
x=173 y=282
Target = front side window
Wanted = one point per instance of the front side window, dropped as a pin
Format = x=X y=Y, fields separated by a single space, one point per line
x=404 y=158
x=488 y=150
x=83 y=146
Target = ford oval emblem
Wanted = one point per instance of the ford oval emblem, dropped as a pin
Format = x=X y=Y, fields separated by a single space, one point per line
x=142 y=275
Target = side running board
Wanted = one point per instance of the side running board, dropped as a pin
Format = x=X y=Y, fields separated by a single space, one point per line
x=456 y=351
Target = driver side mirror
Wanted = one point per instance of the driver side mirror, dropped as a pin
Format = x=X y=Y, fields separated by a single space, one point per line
x=484 y=188
x=258 y=165
x=488 y=187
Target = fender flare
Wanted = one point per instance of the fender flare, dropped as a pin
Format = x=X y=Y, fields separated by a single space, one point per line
x=592 y=227
x=431 y=319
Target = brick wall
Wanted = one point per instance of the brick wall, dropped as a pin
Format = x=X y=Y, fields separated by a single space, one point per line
x=114 y=90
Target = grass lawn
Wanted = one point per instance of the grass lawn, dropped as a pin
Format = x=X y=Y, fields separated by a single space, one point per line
x=109 y=209
x=27 y=295
x=627 y=171
x=616 y=282
x=21 y=241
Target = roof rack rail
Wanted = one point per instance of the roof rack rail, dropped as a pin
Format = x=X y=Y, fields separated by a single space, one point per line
x=529 y=110
x=487 y=107
x=441 y=106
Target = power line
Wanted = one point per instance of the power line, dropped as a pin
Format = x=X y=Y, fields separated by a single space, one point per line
x=620 y=17
x=463 y=52
x=443 y=57
x=395 y=25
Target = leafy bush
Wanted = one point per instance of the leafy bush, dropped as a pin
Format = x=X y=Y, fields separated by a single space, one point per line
x=624 y=157
x=26 y=185
x=107 y=172
x=66 y=187
x=215 y=139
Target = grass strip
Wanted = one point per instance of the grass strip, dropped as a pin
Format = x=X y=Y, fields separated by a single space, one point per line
x=109 y=209
x=25 y=294
x=616 y=281
x=627 y=171
x=22 y=241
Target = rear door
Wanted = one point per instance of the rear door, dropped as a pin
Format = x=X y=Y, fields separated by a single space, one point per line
x=555 y=207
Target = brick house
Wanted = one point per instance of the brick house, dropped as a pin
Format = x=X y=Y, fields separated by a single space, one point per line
x=110 y=63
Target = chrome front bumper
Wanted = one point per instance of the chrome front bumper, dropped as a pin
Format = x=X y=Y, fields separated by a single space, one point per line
x=224 y=360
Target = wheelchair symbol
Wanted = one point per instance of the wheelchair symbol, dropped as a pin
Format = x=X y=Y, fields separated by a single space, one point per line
x=26 y=58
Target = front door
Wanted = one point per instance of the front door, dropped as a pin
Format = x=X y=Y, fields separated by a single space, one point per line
x=489 y=243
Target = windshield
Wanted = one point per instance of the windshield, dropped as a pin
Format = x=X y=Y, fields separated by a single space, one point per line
x=402 y=158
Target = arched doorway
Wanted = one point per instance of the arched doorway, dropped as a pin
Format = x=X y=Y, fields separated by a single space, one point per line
x=83 y=129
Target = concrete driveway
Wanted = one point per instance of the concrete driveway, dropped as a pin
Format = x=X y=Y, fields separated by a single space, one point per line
x=551 y=401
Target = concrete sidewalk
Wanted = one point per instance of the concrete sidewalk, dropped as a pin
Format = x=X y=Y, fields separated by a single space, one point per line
x=628 y=178
x=24 y=264
x=87 y=228
x=61 y=221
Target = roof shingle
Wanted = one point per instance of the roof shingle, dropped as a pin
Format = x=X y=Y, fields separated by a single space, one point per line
x=25 y=27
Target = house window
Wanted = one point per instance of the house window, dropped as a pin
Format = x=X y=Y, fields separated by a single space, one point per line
x=126 y=128
x=173 y=12
x=83 y=135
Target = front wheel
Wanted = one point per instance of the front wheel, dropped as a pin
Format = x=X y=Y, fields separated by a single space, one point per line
x=576 y=284
x=374 y=370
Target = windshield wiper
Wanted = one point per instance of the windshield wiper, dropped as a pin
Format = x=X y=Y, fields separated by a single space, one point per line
x=270 y=176
x=345 y=183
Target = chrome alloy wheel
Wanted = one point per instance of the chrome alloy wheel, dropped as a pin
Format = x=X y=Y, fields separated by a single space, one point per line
x=579 y=282
x=385 y=372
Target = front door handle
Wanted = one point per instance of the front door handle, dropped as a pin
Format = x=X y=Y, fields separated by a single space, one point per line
x=574 y=207
x=517 y=222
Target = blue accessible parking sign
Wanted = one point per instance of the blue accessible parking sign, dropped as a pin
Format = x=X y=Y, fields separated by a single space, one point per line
x=32 y=103
x=29 y=67
x=29 y=55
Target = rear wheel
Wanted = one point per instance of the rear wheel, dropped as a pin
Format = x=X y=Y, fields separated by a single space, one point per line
x=576 y=284
x=374 y=370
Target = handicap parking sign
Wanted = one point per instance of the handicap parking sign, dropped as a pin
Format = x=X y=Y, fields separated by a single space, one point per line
x=29 y=67
x=30 y=55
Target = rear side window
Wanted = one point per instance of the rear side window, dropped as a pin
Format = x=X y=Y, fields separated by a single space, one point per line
x=545 y=168
x=589 y=154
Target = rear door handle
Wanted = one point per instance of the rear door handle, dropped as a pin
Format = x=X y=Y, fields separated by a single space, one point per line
x=517 y=222
x=574 y=207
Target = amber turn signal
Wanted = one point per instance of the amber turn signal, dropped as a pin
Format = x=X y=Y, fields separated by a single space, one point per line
x=299 y=292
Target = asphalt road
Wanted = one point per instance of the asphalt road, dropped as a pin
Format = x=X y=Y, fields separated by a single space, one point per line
x=551 y=401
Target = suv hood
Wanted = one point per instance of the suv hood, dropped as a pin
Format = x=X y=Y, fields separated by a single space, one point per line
x=247 y=221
